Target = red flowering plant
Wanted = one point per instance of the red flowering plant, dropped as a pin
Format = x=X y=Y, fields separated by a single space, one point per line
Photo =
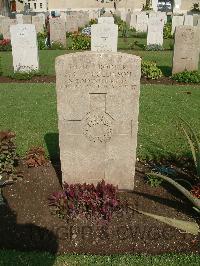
x=5 y=45
x=86 y=200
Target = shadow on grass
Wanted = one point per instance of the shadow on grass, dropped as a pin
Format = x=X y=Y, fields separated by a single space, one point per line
x=52 y=143
x=166 y=70
x=24 y=237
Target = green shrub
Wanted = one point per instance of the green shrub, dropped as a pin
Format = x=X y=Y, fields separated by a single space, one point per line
x=57 y=46
x=81 y=42
x=187 y=77
x=8 y=156
x=142 y=35
x=150 y=70
x=122 y=26
x=154 y=47
x=154 y=181
x=5 y=45
x=1 y=36
x=93 y=21
x=167 y=31
x=24 y=75
x=133 y=45
x=1 y=71
x=41 y=38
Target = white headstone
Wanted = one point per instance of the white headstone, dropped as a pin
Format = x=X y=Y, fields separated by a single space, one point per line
x=142 y=22
x=24 y=47
x=177 y=6
x=38 y=22
x=98 y=107
x=104 y=37
x=155 y=5
x=188 y=20
x=161 y=15
x=196 y=17
x=6 y=24
x=155 y=31
x=19 y=18
x=133 y=21
x=177 y=21
x=58 y=31
x=186 y=49
x=108 y=20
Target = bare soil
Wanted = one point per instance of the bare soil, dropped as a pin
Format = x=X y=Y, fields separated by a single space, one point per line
x=27 y=222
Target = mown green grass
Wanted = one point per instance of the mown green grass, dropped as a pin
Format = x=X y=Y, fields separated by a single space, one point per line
x=13 y=258
x=30 y=111
x=47 y=60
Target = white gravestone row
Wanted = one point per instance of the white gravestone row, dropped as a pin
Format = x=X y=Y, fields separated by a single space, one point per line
x=57 y=31
x=188 y=20
x=38 y=22
x=6 y=23
x=141 y=22
x=104 y=35
x=71 y=23
x=186 y=49
x=176 y=21
x=155 y=31
x=24 y=47
x=98 y=106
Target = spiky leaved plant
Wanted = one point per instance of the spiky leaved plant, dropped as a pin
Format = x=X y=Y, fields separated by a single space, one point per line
x=194 y=144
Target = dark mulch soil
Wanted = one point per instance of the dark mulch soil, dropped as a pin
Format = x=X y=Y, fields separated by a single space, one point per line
x=36 y=79
x=52 y=79
x=26 y=223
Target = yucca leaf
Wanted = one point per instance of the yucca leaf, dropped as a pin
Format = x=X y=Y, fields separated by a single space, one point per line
x=186 y=226
x=192 y=147
x=195 y=201
x=194 y=144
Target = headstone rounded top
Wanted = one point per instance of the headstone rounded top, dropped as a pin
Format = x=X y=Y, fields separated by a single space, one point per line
x=105 y=55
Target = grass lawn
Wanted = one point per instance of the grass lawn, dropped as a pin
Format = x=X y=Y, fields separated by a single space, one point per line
x=11 y=258
x=47 y=60
x=47 y=57
x=30 y=111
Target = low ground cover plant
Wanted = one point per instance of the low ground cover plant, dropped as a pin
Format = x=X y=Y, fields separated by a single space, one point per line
x=80 y=42
x=167 y=30
x=187 y=77
x=35 y=157
x=5 y=45
x=193 y=195
x=86 y=200
x=41 y=38
x=25 y=75
x=8 y=155
x=154 y=47
x=150 y=70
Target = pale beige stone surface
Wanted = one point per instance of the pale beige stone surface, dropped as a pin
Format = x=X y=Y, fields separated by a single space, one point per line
x=104 y=37
x=98 y=106
x=24 y=47
x=6 y=24
x=176 y=21
x=108 y=20
x=155 y=31
x=142 y=22
x=186 y=52
x=71 y=23
x=57 y=31
x=38 y=22
x=27 y=19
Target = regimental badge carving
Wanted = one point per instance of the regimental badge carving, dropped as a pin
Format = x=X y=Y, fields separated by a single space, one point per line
x=98 y=127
